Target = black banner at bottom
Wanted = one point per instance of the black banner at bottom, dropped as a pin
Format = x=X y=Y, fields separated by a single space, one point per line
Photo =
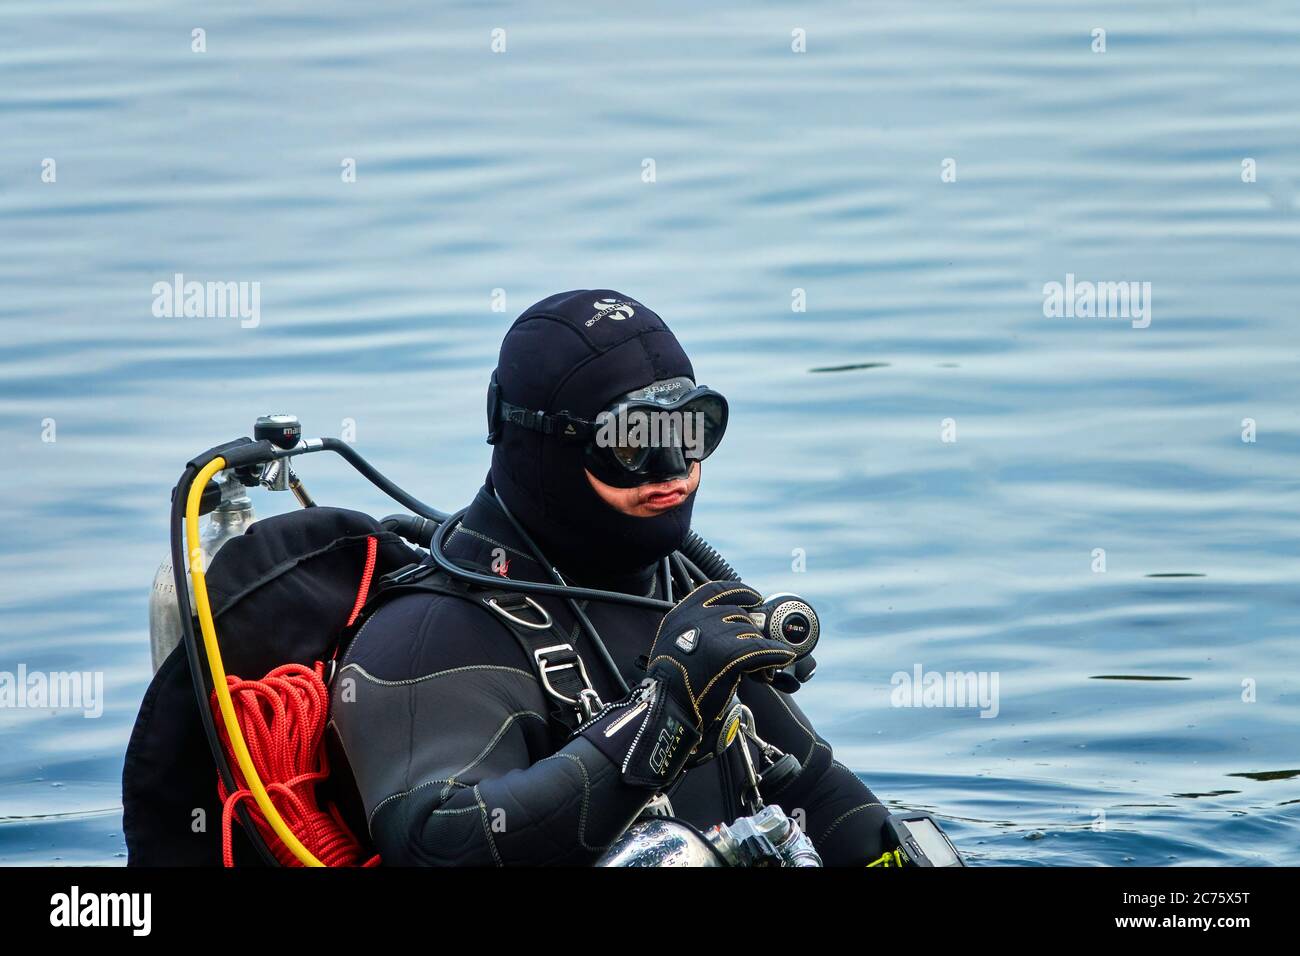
x=255 y=906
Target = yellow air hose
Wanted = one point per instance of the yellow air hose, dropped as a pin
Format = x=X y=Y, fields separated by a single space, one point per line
x=218 y=670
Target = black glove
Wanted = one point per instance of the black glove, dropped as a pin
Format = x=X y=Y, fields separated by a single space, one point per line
x=704 y=646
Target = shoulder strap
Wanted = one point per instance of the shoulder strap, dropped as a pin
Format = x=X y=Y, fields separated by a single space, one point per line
x=555 y=662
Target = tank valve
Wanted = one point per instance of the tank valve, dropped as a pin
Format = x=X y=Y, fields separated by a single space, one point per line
x=283 y=431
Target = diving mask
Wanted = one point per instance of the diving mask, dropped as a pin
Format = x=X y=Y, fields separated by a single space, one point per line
x=644 y=436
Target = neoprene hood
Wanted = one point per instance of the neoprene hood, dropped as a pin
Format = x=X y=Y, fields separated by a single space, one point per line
x=575 y=352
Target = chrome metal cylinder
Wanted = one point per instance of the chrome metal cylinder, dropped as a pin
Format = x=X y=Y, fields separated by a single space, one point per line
x=228 y=520
x=660 y=842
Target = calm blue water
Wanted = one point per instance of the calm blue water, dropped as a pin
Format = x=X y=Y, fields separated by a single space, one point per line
x=774 y=171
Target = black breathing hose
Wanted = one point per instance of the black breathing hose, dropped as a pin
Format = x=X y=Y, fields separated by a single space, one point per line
x=707 y=559
x=372 y=474
x=698 y=561
x=492 y=581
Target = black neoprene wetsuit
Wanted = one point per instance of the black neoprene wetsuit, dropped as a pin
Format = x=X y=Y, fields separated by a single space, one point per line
x=445 y=726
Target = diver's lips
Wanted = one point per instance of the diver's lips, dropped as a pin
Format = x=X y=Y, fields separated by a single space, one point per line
x=663 y=496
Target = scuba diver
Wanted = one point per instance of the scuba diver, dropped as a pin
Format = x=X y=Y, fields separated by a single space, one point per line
x=533 y=731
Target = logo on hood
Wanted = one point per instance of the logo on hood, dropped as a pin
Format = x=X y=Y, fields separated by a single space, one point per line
x=616 y=309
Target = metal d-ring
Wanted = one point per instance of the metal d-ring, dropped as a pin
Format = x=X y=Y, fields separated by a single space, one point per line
x=514 y=619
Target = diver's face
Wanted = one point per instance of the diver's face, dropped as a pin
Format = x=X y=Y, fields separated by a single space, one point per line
x=646 y=501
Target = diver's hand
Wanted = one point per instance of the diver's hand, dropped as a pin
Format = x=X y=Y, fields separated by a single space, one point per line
x=706 y=644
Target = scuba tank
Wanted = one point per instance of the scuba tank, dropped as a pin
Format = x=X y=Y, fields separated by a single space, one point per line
x=230 y=510
x=229 y=519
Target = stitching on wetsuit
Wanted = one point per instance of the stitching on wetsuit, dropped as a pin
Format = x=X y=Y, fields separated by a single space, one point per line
x=405 y=793
x=840 y=819
x=811 y=736
x=451 y=781
x=586 y=799
x=454 y=670
x=338 y=737
x=482 y=808
x=356 y=641
x=451 y=786
x=487 y=827
x=494 y=740
x=460 y=528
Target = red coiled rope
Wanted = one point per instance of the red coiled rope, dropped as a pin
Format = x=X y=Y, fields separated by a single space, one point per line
x=283 y=718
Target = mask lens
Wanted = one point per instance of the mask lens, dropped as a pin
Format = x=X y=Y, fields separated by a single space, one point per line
x=648 y=434
x=704 y=420
x=633 y=438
